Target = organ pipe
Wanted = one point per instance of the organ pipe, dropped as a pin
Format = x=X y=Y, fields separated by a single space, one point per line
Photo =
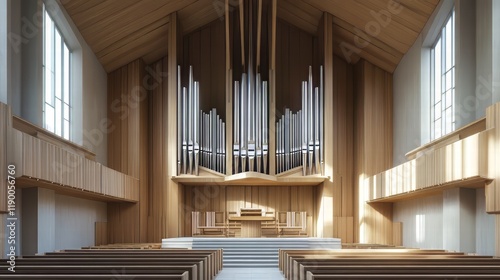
x=201 y=136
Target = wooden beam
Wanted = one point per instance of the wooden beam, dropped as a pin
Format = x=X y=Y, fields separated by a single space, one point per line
x=229 y=95
x=172 y=191
x=272 y=90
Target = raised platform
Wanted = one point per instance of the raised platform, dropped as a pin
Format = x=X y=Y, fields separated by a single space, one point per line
x=251 y=252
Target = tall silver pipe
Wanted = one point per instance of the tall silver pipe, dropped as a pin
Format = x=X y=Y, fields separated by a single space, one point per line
x=196 y=125
x=236 y=143
x=244 y=122
x=321 y=118
x=179 y=121
x=278 y=146
x=316 y=130
x=304 y=128
x=310 y=121
x=219 y=144
x=223 y=148
x=286 y=139
x=184 y=131
x=265 y=123
x=190 y=122
x=258 y=122
x=215 y=136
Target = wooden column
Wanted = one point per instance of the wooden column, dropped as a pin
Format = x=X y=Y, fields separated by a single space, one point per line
x=174 y=195
x=324 y=193
x=272 y=91
x=127 y=149
x=158 y=158
x=229 y=94
x=373 y=149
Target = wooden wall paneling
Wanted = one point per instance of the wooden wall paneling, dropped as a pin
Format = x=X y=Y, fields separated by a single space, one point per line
x=101 y=233
x=144 y=167
x=397 y=234
x=326 y=46
x=172 y=188
x=294 y=199
x=127 y=103
x=158 y=180
x=248 y=197
x=373 y=140
x=229 y=89
x=272 y=87
x=255 y=197
x=273 y=195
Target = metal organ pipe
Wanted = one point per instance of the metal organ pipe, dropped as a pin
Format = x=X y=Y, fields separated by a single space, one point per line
x=299 y=136
x=201 y=135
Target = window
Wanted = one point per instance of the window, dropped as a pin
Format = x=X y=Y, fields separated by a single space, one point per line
x=56 y=79
x=443 y=80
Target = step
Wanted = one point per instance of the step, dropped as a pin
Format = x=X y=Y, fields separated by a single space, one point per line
x=251 y=252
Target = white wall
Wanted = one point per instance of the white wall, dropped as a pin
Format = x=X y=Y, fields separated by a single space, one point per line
x=406 y=96
x=23 y=70
x=422 y=221
x=477 y=87
x=485 y=226
x=10 y=57
x=52 y=221
x=456 y=220
x=75 y=221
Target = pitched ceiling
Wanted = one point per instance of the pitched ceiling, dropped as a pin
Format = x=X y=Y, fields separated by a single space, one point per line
x=120 y=31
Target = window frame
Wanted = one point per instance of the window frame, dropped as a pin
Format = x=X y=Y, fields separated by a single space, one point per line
x=62 y=96
x=447 y=120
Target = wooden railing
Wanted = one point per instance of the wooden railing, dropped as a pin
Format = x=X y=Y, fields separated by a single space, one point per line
x=464 y=162
x=43 y=160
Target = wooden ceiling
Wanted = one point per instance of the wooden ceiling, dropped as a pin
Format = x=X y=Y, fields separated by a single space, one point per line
x=120 y=31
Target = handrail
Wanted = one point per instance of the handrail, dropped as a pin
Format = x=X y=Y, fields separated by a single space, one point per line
x=42 y=133
x=461 y=133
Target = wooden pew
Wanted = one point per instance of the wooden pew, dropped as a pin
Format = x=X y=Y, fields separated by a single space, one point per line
x=385 y=264
x=95 y=264
x=178 y=276
x=215 y=256
x=286 y=254
x=312 y=276
x=200 y=262
x=392 y=265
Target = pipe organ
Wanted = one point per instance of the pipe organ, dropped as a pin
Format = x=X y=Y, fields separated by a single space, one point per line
x=201 y=136
x=250 y=147
x=299 y=136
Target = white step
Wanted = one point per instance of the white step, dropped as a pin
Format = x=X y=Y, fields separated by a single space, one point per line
x=251 y=252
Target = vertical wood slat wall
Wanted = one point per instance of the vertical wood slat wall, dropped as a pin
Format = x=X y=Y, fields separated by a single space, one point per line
x=127 y=149
x=233 y=198
x=343 y=150
x=453 y=163
x=373 y=149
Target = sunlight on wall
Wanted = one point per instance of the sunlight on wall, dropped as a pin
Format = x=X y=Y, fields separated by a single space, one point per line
x=420 y=228
x=363 y=196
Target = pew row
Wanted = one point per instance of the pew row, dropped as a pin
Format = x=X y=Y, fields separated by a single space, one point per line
x=113 y=263
x=384 y=264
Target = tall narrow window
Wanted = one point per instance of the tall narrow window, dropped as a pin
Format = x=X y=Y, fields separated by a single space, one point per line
x=56 y=79
x=443 y=80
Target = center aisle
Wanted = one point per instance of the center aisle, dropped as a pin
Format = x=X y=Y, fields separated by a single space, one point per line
x=250 y=273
